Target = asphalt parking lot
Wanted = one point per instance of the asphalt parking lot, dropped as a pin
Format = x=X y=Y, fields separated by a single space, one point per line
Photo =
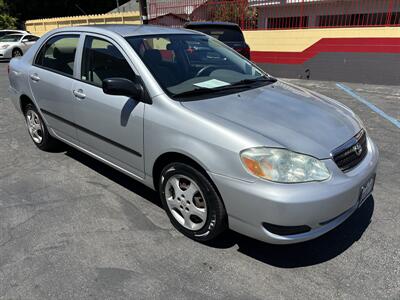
x=73 y=228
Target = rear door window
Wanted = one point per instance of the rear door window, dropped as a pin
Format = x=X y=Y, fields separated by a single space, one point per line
x=58 y=54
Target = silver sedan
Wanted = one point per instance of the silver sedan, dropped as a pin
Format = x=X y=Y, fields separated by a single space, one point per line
x=14 y=45
x=225 y=144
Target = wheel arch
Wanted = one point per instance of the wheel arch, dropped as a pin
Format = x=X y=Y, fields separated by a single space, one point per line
x=24 y=100
x=16 y=48
x=170 y=157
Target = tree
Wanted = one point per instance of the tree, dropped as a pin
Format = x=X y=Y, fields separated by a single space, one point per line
x=37 y=9
x=235 y=11
x=6 y=21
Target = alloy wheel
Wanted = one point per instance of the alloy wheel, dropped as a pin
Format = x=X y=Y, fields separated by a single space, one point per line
x=17 y=53
x=186 y=202
x=35 y=126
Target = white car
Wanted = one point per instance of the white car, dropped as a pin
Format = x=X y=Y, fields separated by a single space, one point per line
x=13 y=45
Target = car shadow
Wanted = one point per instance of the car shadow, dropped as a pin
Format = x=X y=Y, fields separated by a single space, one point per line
x=307 y=253
x=114 y=175
x=303 y=254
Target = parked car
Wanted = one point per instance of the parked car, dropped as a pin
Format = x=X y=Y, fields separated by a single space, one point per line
x=14 y=45
x=224 y=143
x=228 y=33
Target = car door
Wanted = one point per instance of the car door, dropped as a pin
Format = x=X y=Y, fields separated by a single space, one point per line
x=28 y=41
x=23 y=43
x=51 y=81
x=109 y=126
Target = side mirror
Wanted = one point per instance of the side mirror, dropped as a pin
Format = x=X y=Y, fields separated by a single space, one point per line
x=123 y=87
x=25 y=40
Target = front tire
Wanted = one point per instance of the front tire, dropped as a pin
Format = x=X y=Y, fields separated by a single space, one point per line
x=16 y=53
x=38 y=130
x=192 y=203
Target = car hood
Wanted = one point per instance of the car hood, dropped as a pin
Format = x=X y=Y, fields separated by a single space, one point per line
x=292 y=117
x=8 y=43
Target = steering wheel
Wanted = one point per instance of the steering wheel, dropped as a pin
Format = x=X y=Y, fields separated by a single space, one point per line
x=205 y=71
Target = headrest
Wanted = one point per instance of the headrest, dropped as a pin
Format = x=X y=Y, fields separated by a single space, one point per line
x=152 y=56
x=64 y=52
x=172 y=46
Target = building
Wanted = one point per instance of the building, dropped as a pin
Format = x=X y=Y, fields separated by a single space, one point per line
x=131 y=5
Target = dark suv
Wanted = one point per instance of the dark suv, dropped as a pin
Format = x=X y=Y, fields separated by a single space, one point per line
x=228 y=33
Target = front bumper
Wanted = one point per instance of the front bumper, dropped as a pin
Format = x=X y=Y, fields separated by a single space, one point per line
x=6 y=53
x=320 y=205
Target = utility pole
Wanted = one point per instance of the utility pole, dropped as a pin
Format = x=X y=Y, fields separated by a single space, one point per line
x=143 y=11
x=117 y=5
x=78 y=7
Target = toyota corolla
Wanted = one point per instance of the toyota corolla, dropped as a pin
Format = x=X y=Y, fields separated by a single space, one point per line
x=225 y=144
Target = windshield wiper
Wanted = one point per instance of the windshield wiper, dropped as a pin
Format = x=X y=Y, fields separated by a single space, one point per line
x=236 y=85
x=195 y=92
x=254 y=80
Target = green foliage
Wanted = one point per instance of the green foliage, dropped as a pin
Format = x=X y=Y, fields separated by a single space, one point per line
x=37 y=9
x=6 y=21
x=233 y=11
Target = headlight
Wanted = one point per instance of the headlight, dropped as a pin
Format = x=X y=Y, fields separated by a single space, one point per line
x=281 y=165
x=5 y=46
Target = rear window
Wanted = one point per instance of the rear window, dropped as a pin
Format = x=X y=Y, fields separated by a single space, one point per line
x=224 y=34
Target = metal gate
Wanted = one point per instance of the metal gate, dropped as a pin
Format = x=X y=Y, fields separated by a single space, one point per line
x=277 y=14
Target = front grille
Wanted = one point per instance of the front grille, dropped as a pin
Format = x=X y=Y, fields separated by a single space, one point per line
x=351 y=153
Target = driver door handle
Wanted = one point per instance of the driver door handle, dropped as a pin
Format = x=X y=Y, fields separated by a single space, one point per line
x=79 y=94
x=35 y=77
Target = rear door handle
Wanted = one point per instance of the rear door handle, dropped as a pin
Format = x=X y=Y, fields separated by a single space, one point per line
x=79 y=94
x=35 y=77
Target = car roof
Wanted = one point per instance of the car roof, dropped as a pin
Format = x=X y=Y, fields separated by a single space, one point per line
x=13 y=30
x=211 y=23
x=21 y=34
x=128 y=30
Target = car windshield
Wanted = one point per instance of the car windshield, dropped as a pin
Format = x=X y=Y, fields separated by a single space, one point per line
x=187 y=65
x=11 y=38
x=222 y=33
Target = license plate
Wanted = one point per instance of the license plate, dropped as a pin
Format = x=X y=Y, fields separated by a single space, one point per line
x=366 y=190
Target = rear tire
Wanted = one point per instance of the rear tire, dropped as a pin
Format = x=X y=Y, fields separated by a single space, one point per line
x=192 y=203
x=38 y=130
x=16 y=53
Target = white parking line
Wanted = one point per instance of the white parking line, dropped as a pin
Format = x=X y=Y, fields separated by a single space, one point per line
x=370 y=105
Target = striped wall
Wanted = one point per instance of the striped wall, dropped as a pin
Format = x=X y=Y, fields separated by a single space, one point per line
x=329 y=54
x=364 y=54
x=41 y=26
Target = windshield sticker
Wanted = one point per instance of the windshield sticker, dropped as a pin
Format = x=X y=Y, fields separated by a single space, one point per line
x=212 y=83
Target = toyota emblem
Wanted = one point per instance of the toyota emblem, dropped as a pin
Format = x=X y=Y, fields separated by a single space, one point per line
x=357 y=149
